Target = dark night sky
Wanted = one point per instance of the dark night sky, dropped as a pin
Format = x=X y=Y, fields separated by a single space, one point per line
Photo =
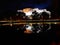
x=19 y=4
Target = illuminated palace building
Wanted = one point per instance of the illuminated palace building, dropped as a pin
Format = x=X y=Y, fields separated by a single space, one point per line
x=29 y=17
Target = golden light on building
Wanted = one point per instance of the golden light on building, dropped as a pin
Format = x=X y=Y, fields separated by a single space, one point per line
x=27 y=9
